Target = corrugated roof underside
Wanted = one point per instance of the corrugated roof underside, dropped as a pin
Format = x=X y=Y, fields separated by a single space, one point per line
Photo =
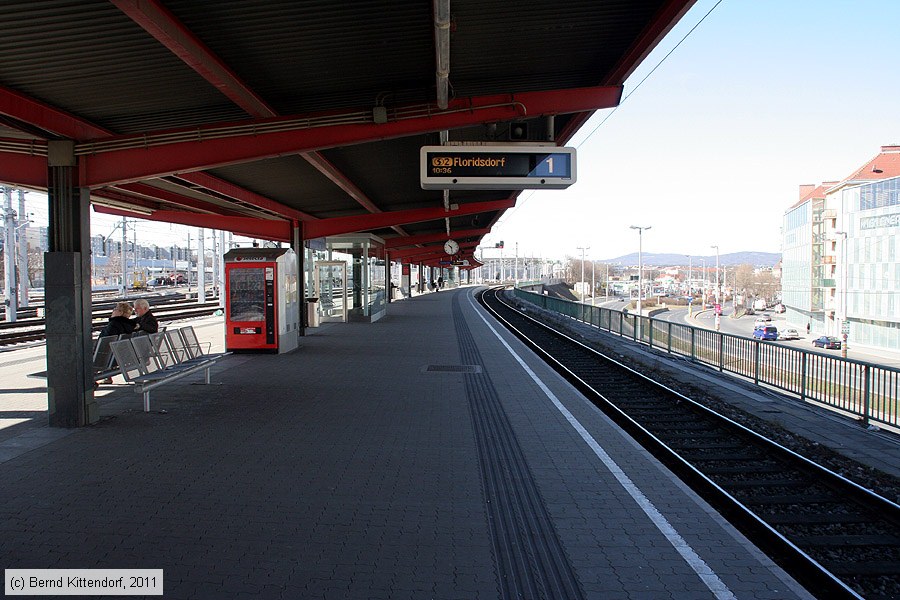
x=304 y=56
x=292 y=181
x=91 y=59
x=534 y=44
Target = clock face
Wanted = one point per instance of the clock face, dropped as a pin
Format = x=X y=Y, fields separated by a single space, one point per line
x=451 y=247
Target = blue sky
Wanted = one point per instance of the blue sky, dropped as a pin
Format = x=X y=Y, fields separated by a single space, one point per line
x=765 y=95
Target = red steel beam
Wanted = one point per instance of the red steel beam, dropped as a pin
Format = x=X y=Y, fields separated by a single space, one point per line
x=23 y=170
x=353 y=224
x=117 y=196
x=248 y=226
x=155 y=193
x=31 y=171
x=433 y=255
x=174 y=35
x=426 y=251
x=171 y=33
x=412 y=240
x=53 y=120
x=327 y=169
x=332 y=173
x=111 y=167
x=220 y=186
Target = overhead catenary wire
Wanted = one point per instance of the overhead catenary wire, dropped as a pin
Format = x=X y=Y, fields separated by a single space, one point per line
x=531 y=193
x=647 y=76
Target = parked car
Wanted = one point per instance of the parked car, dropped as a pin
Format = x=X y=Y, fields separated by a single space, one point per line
x=762 y=321
x=779 y=308
x=767 y=332
x=789 y=334
x=827 y=341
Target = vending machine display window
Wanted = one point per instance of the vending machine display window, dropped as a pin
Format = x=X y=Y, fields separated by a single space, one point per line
x=247 y=296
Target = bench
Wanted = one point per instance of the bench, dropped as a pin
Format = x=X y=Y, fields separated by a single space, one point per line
x=150 y=361
x=101 y=359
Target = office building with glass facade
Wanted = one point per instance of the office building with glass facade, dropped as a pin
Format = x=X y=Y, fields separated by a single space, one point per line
x=841 y=256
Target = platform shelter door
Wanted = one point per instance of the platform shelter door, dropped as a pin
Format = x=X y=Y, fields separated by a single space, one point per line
x=331 y=289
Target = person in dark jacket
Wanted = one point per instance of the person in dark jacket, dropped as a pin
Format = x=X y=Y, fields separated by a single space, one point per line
x=119 y=321
x=146 y=321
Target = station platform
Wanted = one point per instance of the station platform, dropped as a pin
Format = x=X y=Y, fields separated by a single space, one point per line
x=426 y=455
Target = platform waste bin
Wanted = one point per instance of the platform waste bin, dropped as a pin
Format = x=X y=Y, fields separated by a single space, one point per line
x=312 y=312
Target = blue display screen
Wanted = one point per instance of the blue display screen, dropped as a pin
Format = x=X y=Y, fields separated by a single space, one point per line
x=551 y=165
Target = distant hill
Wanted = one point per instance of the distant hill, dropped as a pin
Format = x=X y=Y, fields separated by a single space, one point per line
x=757 y=259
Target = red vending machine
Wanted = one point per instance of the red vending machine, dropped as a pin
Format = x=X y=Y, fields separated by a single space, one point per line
x=262 y=300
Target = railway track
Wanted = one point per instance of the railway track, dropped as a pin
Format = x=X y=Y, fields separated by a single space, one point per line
x=837 y=538
x=32 y=330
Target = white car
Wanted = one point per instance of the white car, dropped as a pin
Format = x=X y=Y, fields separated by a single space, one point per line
x=789 y=334
x=762 y=321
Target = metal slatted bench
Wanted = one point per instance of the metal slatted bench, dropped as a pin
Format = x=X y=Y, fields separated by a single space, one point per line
x=102 y=359
x=151 y=361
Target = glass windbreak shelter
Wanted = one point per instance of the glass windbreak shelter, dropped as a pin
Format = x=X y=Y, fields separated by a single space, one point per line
x=331 y=290
x=365 y=277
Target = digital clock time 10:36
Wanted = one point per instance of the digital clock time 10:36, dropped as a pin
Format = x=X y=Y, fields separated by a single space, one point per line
x=496 y=167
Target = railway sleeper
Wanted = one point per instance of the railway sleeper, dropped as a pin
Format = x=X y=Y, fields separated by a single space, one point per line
x=847 y=540
x=767 y=483
x=794 y=518
x=867 y=569
x=768 y=499
x=702 y=453
x=688 y=443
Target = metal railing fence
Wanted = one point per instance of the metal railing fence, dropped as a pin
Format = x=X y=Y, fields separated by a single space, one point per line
x=867 y=390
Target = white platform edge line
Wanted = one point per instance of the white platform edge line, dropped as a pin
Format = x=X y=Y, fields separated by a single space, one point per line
x=697 y=564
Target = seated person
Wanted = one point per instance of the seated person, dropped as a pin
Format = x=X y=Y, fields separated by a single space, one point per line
x=145 y=321
x=119 y=322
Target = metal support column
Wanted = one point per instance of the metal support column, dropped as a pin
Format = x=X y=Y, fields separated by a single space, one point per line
x=67 y=293
x=201 y=266
x=9 y=257
x=389 y=285
x=300 y=254
x=215 y=264
x=22 y=229
x=220 y=259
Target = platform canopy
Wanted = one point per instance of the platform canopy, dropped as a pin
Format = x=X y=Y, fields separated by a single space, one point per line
x=256 y=116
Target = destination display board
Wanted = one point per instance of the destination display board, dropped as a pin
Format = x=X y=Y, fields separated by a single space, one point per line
x=496 y=167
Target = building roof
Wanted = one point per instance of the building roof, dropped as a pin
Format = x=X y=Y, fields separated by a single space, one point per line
x=810 y=192
x=885 y=165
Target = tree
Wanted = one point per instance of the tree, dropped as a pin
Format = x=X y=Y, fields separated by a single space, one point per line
x=744 y=278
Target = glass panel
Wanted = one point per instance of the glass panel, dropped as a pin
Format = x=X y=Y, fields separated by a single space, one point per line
x=376 y=285
x=332 y=291
x=247 y=295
